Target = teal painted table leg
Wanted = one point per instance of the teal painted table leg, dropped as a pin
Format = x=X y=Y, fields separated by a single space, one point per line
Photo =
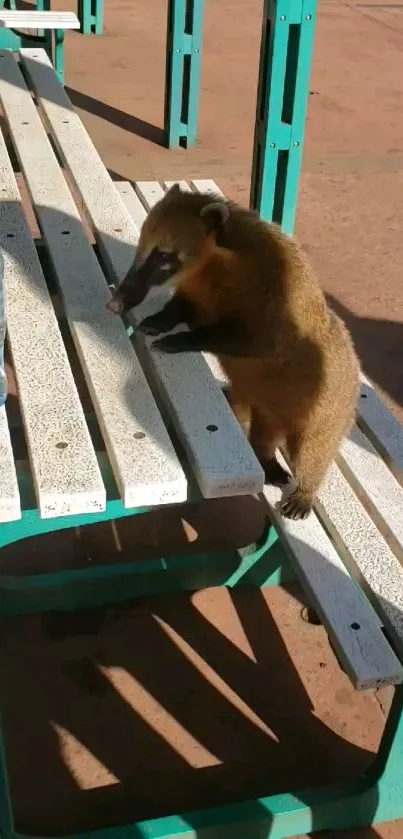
x=91 y=16
x=285 y=60
x=42 y=6
x=58 y=54
x=182 y=79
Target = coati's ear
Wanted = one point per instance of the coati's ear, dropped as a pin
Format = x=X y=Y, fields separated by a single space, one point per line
x=215 y=217
x=173 y=190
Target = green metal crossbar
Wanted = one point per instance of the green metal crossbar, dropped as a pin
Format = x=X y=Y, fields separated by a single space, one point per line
x=91 y=16
x=285 y=61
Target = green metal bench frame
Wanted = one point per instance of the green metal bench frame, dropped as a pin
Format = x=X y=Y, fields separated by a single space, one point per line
x=375 y=797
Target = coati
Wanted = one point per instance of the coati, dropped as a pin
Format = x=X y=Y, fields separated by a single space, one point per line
x=248 y=294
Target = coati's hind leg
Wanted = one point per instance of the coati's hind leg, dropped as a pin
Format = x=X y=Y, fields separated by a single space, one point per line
x=241 y=409
x=311 y=453
x=264 y=438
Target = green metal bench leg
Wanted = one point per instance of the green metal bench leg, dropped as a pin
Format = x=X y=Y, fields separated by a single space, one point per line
x=42 y=6
x=285 y=60
x=91 y=16
x=182 y=80
x=58 y=54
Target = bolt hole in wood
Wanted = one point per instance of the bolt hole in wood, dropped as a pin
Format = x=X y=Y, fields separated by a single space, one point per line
x=10 y=235
x=139 y=435
x=355 y=626
x=61 y=446
x=212 y=428
x=364 y=396
x=65 y=232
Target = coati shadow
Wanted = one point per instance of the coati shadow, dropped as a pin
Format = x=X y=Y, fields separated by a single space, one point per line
x=207 y=708
x=379 y=345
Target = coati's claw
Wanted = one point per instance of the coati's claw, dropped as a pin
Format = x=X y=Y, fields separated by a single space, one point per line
x=275 y=474
x=169 y=344
x=297 y=506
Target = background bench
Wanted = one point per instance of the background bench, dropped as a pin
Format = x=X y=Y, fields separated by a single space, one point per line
x=143 y=443
x=50 y=27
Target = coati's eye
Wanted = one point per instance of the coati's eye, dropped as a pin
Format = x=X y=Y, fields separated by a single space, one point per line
x=165 y=256
x=167 y=260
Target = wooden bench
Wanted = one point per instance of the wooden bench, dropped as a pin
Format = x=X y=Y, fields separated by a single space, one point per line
x=169 y=436
x=50 y=27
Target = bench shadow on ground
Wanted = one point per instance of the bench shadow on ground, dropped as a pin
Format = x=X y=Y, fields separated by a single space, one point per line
x=168 y=708
x=120 y=119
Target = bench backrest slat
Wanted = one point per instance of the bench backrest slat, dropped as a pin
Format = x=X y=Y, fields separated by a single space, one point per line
x=146 y=468
x=63 y=461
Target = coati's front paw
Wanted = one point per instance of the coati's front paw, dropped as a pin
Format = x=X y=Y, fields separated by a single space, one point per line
x=170 y=343
x=297 y=505
x=274 y=473
x=151 y=326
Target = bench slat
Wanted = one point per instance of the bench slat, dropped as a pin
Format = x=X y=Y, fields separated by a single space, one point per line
x=206 y=185
x=383 y=429
x=146 y=468
x=366 y=553
x=224 y=462
x=64 y=465
x=27 y=19
x=366 y=470
x=222 y=459
x=10 y=507
x=353 y=625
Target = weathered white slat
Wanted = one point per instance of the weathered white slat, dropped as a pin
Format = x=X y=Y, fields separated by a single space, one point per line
x=136 y=209
x=149 y=192
x=383 y=429
x=364 y=550
x=144 y=462
x=206 y=185
x=32 y=19
x=216 y=447
x=353 y=625
x=235 y=470
x=64 y=465
x=115 y=231
x=10 y=507
x=366 y=471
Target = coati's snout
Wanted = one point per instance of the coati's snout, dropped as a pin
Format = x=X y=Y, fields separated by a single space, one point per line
x=175 y=234
x=156 y=270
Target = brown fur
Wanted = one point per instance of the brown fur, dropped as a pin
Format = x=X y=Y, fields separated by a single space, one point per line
x=297 y=384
